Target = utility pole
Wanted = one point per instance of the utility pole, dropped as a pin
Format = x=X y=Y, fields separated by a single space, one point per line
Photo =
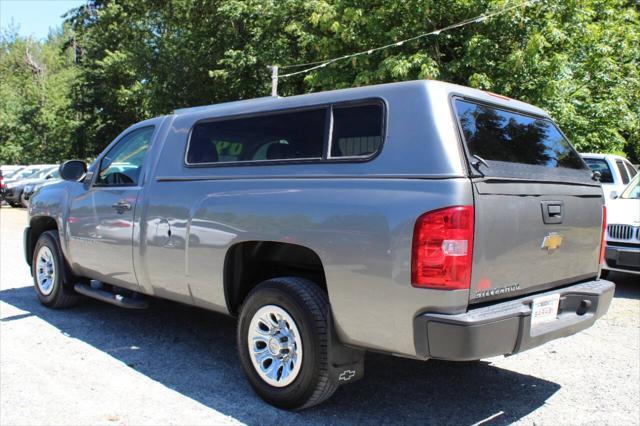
x=274 y=80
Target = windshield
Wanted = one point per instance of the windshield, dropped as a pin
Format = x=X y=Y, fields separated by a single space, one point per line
x=600 y=165
x=11 y=175
x=23 y=174
x=43 y=173
x=633 y=190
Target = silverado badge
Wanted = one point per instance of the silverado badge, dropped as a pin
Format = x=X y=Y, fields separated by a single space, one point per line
x=551 y=241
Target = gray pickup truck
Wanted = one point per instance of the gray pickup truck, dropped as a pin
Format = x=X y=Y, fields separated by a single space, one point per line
x=419 y=219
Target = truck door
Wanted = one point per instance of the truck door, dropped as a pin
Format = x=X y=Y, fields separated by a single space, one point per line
x=101 y=220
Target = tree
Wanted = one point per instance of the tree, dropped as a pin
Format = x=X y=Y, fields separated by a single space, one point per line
x=37 y=121
x=141 y=58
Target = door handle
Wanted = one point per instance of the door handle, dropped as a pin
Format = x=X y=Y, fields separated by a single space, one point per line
x=554 y=209
x=122 y=206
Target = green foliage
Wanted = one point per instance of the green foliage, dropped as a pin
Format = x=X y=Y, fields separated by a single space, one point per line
x=578 y=59
x=37 y=119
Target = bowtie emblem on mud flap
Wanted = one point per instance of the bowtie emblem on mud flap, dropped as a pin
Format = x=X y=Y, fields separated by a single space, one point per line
x=346 y=375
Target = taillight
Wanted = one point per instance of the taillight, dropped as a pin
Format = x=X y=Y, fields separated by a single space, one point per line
x=603 y=243
x=443 y=249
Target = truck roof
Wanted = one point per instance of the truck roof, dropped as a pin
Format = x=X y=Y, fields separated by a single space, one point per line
x=596 y=155
x=433 y=87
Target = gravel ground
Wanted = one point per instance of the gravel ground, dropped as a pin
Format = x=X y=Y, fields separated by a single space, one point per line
x=172 y=364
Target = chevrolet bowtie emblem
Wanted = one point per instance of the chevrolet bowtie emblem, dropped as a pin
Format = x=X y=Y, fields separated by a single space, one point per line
x=346 y=375
x=551 y=242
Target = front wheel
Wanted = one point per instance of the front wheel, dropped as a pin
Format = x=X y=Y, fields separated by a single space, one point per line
x=48 y=270
x=283 y=339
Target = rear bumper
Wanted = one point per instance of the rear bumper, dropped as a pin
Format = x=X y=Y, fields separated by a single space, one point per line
x=505 y=328
x=623 y=258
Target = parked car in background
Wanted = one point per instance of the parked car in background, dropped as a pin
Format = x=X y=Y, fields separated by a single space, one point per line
x=6 y=170
x=622 y=251
x=14 y=190
x=421 y=219
x=8 y=174
x=25 y=172
x=615 y=172
x=34 y=184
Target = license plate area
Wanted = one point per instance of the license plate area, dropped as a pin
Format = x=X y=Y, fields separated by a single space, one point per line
x=544 y=309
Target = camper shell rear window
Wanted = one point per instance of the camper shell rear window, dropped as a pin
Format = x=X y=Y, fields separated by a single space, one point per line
x=515 y=144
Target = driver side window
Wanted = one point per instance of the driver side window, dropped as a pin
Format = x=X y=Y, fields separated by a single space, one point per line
x=121 y=166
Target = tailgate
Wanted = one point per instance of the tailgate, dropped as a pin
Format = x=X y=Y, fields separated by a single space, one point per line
x=537 y=210
x=532 y=236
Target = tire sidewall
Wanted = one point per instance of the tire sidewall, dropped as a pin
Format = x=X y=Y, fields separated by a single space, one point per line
x=303 y=386
x=47 y=240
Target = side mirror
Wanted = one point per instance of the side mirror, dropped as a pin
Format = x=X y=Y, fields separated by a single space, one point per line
x=613 y=195
x=73 y=170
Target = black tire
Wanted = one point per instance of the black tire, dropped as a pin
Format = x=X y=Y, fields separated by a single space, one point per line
x=308 y=305
x=62 y=294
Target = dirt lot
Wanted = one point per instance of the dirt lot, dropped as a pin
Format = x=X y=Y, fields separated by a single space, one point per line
x=171 y=364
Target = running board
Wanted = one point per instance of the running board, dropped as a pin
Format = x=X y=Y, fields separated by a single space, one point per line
x=109 y=297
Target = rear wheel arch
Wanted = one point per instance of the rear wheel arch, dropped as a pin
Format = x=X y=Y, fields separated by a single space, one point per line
x=249 y=263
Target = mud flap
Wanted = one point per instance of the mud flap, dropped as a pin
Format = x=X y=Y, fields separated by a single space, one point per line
x=346 y=365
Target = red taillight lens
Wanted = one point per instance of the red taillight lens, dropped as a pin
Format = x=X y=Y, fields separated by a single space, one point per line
x=443 y=249
x=603 y=243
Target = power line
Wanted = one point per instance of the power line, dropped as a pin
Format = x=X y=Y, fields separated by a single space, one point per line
x=321 y=64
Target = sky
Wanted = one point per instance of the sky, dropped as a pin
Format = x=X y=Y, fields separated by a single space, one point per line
x=35 y=17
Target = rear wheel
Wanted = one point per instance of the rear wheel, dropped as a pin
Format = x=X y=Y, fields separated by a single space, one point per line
x=283 y=342
x=49 y=269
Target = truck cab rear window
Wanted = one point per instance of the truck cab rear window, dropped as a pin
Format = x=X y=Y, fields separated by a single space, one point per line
x=509 y=137
x=281 y=136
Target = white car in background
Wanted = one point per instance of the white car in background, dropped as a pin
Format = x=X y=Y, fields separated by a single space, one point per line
x=622 y=251
x=615 y=172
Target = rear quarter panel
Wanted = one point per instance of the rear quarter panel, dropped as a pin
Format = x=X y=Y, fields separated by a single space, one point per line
x=361 y=229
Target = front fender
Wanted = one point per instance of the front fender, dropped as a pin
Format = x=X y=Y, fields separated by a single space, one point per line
x=53 y=201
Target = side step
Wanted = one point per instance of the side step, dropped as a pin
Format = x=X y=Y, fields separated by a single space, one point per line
x=96 y=291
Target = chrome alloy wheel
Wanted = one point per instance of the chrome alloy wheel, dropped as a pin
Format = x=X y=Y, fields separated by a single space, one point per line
x=275 y=346
x=45 y=270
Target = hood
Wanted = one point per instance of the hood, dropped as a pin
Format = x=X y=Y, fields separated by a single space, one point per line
x=624 y=211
